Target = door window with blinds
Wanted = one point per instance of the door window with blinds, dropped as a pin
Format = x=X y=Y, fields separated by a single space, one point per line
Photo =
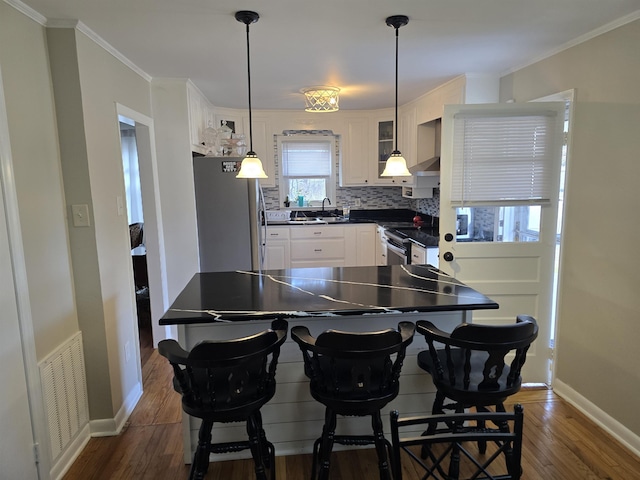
x=307 y=172
x=502 y=175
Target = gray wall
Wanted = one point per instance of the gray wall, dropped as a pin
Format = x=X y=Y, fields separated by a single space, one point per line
x=88 y=82
x=598 y=324
x=38 y=178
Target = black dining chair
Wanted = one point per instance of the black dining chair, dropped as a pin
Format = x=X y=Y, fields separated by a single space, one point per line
x=228 y=381
x=353 y=374
x=469 y=369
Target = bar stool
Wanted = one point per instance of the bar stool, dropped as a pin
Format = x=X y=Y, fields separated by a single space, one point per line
x=228 y=381
x=471 y=371
x=353 y=374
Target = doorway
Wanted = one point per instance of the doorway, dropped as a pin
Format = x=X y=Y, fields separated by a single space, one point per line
x=135 y=217
x=146 y=181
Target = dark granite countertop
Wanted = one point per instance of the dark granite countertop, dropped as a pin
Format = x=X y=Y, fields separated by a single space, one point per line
x=307 y=292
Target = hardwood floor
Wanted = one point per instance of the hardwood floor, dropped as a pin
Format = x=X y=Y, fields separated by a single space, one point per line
x=559 y=444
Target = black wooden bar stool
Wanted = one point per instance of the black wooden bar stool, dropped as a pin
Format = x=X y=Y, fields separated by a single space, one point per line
x=469 y=369
x=228 y=381
x=353 y=374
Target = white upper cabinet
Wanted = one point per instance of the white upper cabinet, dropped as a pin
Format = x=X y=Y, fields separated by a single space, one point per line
x=200 y=116
x=354 y=164
x=263 y=145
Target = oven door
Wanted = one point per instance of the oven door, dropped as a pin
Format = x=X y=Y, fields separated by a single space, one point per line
x=396 y=255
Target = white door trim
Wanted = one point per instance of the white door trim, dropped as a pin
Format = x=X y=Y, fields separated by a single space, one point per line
x=27 y=336
x=156 y=259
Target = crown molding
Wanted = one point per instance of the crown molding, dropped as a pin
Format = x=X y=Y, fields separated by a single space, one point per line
x=28 y=11
x=576 y=41
x=81 y=27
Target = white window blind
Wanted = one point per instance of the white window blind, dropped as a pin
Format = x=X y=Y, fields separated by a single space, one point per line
x=306 y=159
x=503 y=159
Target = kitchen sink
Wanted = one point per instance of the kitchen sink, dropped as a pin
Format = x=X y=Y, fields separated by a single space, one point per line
x=334 y=220
x=316 y=221
x=306 y=221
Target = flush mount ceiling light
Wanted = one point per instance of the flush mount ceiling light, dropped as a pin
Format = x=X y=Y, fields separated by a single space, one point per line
x=321 y=99
x=251 y=166
x=396 y=164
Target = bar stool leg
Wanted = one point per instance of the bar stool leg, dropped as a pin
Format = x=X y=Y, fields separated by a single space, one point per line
x=326 y=445
x=200 y=463
x=253 y=430
x=381 y=446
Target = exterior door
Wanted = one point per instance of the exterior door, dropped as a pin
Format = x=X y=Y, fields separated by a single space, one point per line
x=502 y=247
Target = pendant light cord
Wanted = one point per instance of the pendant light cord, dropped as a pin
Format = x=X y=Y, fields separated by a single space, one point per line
x=396 y=123
x=249 y=88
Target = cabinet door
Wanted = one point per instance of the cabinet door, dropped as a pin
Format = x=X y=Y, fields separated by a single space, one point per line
x=263 y=145
x=384 y=145
x=197 y=118
x=407 y=143
x=381 y=247
x=418 y=255
x=366 y=245
x=354 y=168
x=277 y=255
x=277 y=250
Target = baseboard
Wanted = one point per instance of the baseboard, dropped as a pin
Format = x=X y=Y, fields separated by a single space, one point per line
x=616 y=429
x=71 y=453
x=109 y=427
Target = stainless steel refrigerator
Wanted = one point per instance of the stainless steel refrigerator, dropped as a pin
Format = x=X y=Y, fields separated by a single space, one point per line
x=226 y=208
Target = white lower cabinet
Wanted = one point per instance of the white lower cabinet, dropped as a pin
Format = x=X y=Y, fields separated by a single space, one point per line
x=381 y=246
x=317 y=246
x=277 y=249
x=418 y=254
x=422 y=256
x=360 y=244
x=304 y=246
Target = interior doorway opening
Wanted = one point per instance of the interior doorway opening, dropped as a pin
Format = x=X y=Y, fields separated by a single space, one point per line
x=135 y=216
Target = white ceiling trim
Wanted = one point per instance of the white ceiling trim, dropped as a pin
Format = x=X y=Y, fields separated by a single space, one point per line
x=576 y=41
x=28 y=11
x=81 y=27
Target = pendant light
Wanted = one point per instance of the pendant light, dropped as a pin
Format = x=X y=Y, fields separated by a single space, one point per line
x=251 y=166
x=396 y=165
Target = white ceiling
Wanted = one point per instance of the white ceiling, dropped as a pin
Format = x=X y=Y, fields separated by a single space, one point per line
x=343 y=43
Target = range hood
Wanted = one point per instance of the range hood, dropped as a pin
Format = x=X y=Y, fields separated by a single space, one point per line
x=428 y=144
x=427 y=167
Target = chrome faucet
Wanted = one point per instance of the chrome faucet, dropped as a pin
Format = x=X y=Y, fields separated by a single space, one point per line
x=327 y=199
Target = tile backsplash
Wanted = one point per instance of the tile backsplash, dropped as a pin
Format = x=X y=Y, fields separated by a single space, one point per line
x=369 y=197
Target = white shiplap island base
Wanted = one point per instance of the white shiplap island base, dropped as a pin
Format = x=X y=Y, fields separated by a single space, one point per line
x=224 y=305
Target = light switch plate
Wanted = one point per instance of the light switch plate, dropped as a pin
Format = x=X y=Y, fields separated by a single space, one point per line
x=80 y=214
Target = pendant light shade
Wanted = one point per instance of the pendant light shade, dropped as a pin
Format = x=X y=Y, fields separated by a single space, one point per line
x=396 y=165
x=251 y=166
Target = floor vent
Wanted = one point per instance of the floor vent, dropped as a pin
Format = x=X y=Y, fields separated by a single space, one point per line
x=64 y=388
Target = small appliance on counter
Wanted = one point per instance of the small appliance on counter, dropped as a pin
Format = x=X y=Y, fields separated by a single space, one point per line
x=277 y=215
x=464 y=224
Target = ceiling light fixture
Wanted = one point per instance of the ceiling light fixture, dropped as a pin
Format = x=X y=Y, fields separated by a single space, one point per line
x=251 y=166
x=321 y=99
x=396 y=165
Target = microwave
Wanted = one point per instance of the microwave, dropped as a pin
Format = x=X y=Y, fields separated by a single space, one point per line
x=464 y=224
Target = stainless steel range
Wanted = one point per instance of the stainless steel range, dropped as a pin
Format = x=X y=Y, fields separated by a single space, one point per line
x=398 y=248
x=399 y=241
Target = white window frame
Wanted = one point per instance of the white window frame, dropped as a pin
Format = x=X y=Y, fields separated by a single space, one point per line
x=283 y=183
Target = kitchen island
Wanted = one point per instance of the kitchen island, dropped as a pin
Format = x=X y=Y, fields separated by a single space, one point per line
x=223 y=305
